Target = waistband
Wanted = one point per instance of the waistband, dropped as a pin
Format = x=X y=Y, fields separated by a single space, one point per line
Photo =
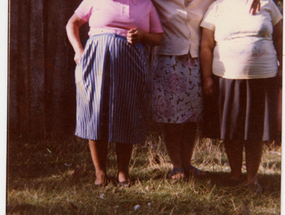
x=109 y=34
x=137 y=45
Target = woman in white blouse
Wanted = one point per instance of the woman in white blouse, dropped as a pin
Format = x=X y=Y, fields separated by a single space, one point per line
x=244 y=53
x=177 y=92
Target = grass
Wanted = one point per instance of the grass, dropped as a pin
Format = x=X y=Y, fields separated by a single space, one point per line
x=56 y=177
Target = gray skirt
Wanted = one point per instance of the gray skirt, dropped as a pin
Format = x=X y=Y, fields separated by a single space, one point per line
x=246 y=109
x=110 y=90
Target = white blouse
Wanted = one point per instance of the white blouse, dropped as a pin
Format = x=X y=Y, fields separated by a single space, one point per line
x=244 y=47
x=180 y=21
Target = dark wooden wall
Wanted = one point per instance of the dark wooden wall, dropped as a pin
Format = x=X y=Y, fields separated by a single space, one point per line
x=41 y=89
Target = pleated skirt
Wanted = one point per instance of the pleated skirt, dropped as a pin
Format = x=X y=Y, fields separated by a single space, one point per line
x=246 y=109
x=111 y=90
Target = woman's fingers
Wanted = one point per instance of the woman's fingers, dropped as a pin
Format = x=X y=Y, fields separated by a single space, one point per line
x=208 y=86
x=133 y=30
x=255 y=7
x=133 y=36
x=78 y=56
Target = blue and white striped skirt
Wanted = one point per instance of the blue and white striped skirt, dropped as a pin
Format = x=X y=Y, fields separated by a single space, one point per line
x=111 y=90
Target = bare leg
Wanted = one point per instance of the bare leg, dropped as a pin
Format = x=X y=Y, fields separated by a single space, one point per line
x=188 y=133
x=253 y=158
x=234 y=151
x=99 y=150
x=172 y=134
x=124 y=153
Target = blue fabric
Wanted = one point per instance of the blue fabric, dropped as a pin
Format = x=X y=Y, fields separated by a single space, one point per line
x=111 y=90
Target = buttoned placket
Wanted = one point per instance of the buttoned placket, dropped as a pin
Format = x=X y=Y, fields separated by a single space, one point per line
x=183 y=12
x=188 y=17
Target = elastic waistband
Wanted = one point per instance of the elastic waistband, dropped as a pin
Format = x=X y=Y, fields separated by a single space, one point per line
x=137 y=45
x=109 y=34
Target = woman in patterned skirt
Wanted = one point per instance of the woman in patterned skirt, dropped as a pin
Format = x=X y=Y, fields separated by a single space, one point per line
x=177 y=90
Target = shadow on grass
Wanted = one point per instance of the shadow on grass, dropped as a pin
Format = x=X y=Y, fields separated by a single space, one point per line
x=35 y=161
x=33 y=209
x=42 y=159
x=12 y=209
x=269 y=183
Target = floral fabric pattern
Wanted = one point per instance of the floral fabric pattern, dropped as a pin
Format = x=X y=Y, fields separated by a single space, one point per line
x=176 y=89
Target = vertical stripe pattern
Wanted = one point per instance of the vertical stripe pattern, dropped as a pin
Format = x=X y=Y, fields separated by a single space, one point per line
x=111 y=90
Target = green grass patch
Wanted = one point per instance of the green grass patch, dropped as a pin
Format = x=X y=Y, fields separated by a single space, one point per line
x=56 y=177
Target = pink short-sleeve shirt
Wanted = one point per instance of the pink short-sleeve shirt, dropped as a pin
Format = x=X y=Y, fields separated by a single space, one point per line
x=119 y=16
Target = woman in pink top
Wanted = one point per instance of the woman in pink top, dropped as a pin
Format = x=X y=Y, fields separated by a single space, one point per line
x=111 y=75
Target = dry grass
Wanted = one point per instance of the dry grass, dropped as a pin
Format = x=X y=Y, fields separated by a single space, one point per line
x=56 y=177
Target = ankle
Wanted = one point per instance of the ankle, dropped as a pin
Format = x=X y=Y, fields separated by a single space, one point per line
x=100 y=177
x=100 y=174
x=176 y=165
x=123 y=176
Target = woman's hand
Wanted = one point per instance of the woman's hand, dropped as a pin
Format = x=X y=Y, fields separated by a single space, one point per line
x=279 y=77
x=72 y=30
x=78 y=55
x=134 y=36
x=255 y=6
x=208 y=86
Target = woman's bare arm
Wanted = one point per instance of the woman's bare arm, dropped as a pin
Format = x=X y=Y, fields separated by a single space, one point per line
x=135 y=35
x=206 y=59
x=72 y=30
x=278 y=44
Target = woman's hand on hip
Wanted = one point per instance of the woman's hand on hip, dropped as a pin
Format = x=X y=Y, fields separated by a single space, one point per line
x=78 y=55
x=72 y=30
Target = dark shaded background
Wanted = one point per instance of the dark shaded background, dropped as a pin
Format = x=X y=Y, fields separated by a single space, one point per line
x=41 y=89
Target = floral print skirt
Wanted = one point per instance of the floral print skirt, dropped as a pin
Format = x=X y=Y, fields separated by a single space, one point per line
x=176 y=89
